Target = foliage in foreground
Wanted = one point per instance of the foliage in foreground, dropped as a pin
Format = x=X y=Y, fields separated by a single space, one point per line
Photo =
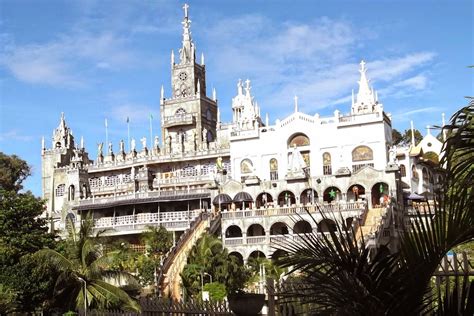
x=340 y=278
x=86 y=277
x=23 y=232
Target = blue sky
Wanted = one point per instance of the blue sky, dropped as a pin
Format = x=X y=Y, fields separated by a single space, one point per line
x=108 y=59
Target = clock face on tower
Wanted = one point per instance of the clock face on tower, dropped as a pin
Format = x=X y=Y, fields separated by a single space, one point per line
x=183 y=76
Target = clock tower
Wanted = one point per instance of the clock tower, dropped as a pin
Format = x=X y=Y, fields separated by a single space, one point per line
x=189 y=117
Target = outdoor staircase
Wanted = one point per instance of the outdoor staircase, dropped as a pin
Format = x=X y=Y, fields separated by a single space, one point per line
x=372 y=219
x=170 y=283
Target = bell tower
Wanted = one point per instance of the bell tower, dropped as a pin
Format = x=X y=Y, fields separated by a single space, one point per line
x=189 y=117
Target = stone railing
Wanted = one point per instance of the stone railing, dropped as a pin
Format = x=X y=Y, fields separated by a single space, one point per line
x=187 y=118
x=180 y=219
x=264 y=239
x=115 y=197
x=360 y=118
x=179 y=179
x=295 y=209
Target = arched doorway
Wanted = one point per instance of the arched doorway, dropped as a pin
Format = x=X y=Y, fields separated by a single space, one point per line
x=257 y=254
x=279 y=228
x=264 y=199
x=302 y=227
x=309 y=196
x=286 y=198
x=255 y=230
x=327 y=225
x=331 y=194
x=355 y=193
x=278 y=254
x=237 y=256
x=379 y=194
x=233 y=231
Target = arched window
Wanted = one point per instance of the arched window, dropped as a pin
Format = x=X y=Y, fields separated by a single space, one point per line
x=180 y=112
x=298 y=140
x=71 y=193
x=60 y=189
x=362 y=153
x=403 y=171
x=273 y=169
x=246 y=166
x=327 y=167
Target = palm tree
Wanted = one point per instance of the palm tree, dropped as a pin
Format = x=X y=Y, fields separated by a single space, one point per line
x=340 y=277
x=86 y=279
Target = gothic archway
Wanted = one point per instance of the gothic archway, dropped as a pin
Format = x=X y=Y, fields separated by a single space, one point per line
x=264 y=199
x=331 y=194
x=309 y=196
x=356 y=192
x=286 y=198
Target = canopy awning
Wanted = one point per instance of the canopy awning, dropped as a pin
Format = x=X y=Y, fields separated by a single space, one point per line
x=222 y=199
x=243 y=197
x=416 y=197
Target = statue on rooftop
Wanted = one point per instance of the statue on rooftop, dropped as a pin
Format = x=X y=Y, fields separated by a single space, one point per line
x=99 y=149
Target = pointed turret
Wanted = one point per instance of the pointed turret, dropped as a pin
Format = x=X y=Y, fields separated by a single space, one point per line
x=366 y=100
x=187 y=51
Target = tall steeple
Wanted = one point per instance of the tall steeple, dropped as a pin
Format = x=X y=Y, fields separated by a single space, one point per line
x=187 y=51
x=366 y=100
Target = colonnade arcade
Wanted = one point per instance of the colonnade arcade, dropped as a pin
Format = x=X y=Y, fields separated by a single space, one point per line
x=354 y=193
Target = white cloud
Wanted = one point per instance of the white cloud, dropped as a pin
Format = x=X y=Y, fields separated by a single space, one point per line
x=407 y=114
x=14 y=135
x=314 y=60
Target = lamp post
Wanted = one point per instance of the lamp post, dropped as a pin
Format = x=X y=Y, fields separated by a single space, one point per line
x=85 y=294
x=202 y=282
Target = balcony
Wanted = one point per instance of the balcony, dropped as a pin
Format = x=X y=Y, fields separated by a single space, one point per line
x=181 y=119
x=170 y=180
x=132 y=224
x=295 y=209
x=135 y=197
x=264 y=239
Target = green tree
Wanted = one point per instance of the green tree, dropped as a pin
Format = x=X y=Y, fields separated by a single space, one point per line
x=407 y=136
x=24 y=231
x=86 y=278
x=210 y=257
x=341 y=277
x=13 y=171
x=397 y=137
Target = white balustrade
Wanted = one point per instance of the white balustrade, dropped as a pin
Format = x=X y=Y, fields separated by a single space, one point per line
x=178 y=219
x=279 y=211
x=233 y=241
x=256 y=240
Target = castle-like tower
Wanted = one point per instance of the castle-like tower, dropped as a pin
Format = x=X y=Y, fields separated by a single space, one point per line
x=189 y=117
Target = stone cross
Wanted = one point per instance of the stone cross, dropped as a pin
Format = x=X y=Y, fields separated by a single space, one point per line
x=185 y=7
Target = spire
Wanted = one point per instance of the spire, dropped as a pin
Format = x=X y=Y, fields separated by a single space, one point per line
x=267 y=119
x=172 y=57
x=247 y=87
x=43 y=144
x=186 y=53
x=428 y=130
x=296 y=103
x=162 y=92
x=214 y=94
x=218 y=116
x=365 y=94
x=82 y=142
x=202 y=59
x=239 y=87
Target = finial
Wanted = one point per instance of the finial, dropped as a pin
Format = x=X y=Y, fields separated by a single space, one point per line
x=443 y=120
x=172 y=57
x=239 y=87
x=376 y=96
x=162 y=92
x=296 y=103
x=202 y=59
x=186 y=7
x=82 y=142
x=428 y=129
x=412 y=134
x=267 y=120
x=198 y=90
x=214 y=94
x=247 y=87
x=218 y=115
x=362 y=66
x=43 y=144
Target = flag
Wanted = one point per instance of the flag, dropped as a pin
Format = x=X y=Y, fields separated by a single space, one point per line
x=106 y=123
x=128 y=119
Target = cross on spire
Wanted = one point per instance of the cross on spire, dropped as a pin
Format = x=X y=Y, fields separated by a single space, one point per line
x=186 y=7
